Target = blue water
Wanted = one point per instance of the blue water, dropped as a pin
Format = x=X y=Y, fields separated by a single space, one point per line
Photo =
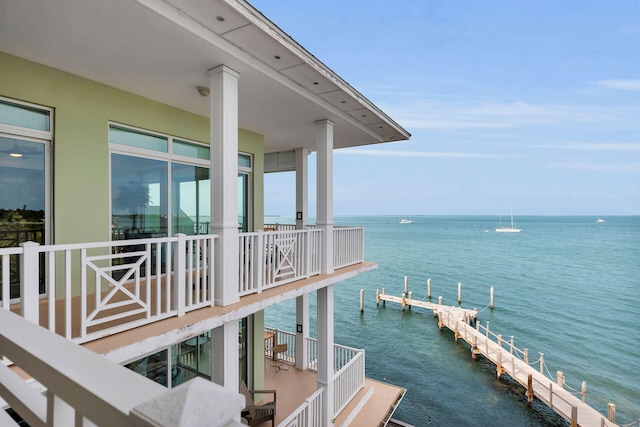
x=565 y=286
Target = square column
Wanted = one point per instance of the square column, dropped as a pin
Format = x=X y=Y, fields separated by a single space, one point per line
x=324 y=148
x=302 y=331
x=224 y=181
x=302 y=188
x=325 y=350
x=224 y=356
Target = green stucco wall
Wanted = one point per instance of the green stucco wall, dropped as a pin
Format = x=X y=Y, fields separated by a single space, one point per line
x=80 y=170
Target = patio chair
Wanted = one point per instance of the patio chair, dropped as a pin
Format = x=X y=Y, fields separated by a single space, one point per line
x=254 y=414
x=278 y=357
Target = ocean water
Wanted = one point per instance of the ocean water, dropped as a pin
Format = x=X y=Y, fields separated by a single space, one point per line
x=565 y=286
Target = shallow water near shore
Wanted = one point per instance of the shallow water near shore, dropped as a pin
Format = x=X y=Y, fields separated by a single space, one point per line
x=567 y=287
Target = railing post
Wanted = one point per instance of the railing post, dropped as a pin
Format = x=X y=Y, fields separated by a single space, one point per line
x=29 y=282
x=542 y=363
x=526 y=356
x=179 y=272
x=258 y=261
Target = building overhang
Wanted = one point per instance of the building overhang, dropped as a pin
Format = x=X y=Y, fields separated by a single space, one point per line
x=162 y=49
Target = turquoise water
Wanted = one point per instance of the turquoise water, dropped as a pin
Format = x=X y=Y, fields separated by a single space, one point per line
x=565 y=286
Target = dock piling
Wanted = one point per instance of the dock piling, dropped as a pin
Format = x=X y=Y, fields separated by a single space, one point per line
x=406 y=285
x=560 y=378
x=429 y=288
x=377 y=297
x=361 y=300
x=410 y=297
x=491 y=298
x=459 y=292
x=611 y=412
x=530 y=389
x=583 y=391
x=542 y=363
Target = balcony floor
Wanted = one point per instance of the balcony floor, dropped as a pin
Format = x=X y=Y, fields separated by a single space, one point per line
x=294 y=386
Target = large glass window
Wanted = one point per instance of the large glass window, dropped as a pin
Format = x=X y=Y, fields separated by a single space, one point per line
x=25 y=135
x=142 y=163
x=191 y=195
x=138 y=197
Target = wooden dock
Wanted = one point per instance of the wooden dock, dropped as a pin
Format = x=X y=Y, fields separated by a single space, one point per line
x=510 y=360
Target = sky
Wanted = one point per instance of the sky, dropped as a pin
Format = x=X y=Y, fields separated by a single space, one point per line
x=529 y=105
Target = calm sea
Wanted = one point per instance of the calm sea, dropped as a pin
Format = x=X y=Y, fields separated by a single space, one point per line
x=567 y=287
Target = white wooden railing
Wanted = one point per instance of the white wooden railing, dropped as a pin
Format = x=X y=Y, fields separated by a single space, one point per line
x=309 y=414
x=282 y=257
x=74 y=386
x=98 y=289
x=348 y=364
x=348 y=246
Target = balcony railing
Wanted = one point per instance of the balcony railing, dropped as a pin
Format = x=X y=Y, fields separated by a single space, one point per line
x=348 y=365
x=282 y=257
x=74 y=386
x=98 y=289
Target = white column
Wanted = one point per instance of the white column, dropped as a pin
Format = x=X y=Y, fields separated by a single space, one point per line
x=224 y=181
x=224 y=356
x=324 y=147
x=302 y=331
x=302 y=188
x=325 y=349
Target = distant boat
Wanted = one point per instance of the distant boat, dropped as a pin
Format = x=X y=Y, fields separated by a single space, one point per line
x=511 y=229
x=405 y=221
x=601 y=220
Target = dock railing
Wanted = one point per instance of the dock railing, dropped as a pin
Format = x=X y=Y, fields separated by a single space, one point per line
x=515 y=363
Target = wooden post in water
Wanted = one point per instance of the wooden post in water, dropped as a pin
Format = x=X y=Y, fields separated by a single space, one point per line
x=377 y=297
x=459 y=292
x=429 y=288
x=406 y=285
x=583 y=391
x=474 y=346
x=499 y=364
x=403 y=301
x=530 y=389
x=410 y=297
x=611 y=412
x=384 y=302
x=542 y=363
x=491 y=298
x=560 y=378
x=361 y=300
x=440 y=300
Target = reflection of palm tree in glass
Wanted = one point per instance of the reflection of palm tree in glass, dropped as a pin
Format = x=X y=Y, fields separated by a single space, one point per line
x=134 y=198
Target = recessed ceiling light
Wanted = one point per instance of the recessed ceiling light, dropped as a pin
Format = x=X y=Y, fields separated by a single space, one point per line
x=315 y=83
x=364 y=115
x=277 y=56
x=220 y=18
x=343 y=102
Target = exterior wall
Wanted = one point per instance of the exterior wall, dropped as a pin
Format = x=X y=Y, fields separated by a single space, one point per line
x=83 y=108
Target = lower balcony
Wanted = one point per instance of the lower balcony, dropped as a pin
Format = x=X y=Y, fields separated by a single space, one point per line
x=55 y=381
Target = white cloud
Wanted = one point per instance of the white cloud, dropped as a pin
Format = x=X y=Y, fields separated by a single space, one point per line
x=460 y=114
x=601 y=167
x=633 y=85
x=602 y=146
x=385 y=153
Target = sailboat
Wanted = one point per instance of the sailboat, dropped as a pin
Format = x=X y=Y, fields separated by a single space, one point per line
x=511 y=229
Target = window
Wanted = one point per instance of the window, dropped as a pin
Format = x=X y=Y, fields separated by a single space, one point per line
x=160 y=185
x=25 y=139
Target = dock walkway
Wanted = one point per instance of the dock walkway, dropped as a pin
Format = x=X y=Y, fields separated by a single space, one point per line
x=511 y=361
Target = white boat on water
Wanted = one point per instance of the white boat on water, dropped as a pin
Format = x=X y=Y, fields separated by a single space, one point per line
x=601 y=220
x=511 y=229
x=405 y=221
